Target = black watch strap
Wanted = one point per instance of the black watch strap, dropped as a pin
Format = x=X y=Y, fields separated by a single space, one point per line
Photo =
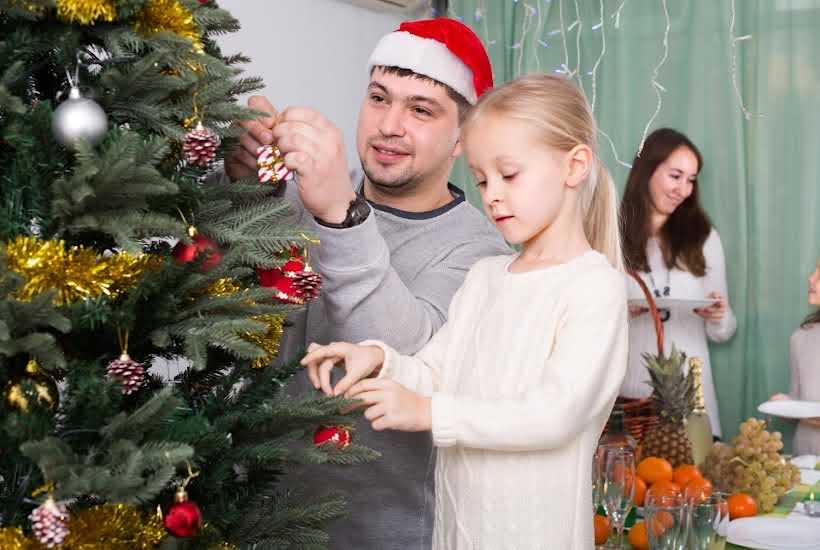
x=357 y=213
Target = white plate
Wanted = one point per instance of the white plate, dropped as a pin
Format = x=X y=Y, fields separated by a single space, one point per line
x=791 y=408
x=772 y=533
x=673 y=303
x=806 y=462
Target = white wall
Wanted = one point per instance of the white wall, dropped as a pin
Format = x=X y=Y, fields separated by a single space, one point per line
x=310 y=53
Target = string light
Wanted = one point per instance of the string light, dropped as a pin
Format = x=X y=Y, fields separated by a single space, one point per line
x=538 y=41
x=734 y=40
x=657 y=86
x=617 y=15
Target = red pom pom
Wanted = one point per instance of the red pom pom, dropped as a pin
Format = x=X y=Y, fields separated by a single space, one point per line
x=183 y=519
x=338 y=435
x=184 y=252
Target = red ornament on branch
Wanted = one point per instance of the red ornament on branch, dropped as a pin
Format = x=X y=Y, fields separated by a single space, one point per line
x=183 y=518
x=336 y=435
x=200 y=244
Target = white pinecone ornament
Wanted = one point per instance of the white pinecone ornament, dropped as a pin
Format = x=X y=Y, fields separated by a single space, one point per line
x=199 y=146
x=48 y=521
x=127 y=372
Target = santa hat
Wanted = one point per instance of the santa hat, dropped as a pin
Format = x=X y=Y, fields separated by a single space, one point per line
x=442 y=49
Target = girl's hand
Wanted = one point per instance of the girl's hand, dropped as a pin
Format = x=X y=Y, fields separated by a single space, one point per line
x=780 y=397
x=391 y=406
x=359 y=362
x=716 y=311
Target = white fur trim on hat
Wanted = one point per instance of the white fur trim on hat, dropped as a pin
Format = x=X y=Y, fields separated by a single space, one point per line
x=427 y=57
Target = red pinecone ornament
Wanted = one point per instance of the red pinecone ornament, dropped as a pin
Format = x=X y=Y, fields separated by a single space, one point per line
x=200 y=244
x=183 y=518
x=307 y=284
x=337 y=435
x=48 y=521
x=199 y=146
x=129 y=373
x=293 y=283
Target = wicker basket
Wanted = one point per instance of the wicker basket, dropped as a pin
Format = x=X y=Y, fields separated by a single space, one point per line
x=639 y=414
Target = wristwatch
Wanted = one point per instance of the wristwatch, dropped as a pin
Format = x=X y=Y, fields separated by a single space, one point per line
x=357 y=213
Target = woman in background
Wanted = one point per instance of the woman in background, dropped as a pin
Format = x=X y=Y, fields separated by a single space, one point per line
x=804 y=363
x=670 y=242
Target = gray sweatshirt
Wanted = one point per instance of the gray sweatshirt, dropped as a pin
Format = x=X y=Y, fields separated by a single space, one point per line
x=390 y=278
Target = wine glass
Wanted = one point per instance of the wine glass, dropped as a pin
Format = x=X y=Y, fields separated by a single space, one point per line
x=666 y=519
x=598 y=463
x=618 y=488
x=709 y=520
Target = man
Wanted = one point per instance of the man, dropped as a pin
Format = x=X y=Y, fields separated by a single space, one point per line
x=393 y=253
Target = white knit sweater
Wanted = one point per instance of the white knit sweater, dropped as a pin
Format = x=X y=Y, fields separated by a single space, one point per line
x=523 y=376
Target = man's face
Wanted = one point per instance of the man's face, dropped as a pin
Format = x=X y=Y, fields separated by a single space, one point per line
x=408 y=131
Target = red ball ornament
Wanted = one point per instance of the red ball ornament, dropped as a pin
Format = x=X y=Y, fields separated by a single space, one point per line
x=337 y=435
x=183 y=518
x=185 y=253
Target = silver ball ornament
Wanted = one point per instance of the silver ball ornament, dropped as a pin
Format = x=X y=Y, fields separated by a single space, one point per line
x=78 y=119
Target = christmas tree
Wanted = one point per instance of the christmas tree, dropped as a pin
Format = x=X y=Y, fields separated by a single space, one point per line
x=118 y=257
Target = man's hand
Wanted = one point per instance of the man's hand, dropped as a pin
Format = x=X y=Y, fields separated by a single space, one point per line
x=242 y=162
x=391 y=406
x=313 y=148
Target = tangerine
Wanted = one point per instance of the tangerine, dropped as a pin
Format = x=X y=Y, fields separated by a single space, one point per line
x=698 y=489
x=638 y=537
x=640 y=492
x=741 y=505
x=601 y=529
x=685 y=473
x=654 y=469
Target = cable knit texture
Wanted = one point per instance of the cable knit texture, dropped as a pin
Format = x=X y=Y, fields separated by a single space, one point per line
x=522 y=378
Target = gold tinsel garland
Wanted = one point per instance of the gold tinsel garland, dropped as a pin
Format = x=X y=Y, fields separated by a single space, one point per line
x=114 y=527
x=169 y=16
x=12 y=538
x=104 y=527
x=75 y=272
x=86 y=12
x=269 y=341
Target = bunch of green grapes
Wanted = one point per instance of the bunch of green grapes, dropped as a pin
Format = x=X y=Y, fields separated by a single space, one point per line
x=753 y=465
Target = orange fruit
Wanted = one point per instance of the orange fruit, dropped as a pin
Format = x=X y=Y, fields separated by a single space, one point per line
x=685 y=473
x=640 y=492
x=741 y=505
x=664 y=487
x=661 y=521
x=601 y=529
x=654 y=469
x=698 y=489
x=638 y=537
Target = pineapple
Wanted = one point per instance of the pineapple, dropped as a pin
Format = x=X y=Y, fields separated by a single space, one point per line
x=673 y=398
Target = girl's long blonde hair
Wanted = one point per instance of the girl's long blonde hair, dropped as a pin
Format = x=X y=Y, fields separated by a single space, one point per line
x=557 y=108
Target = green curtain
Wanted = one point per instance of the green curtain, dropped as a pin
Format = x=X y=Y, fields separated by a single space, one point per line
x=760 y=176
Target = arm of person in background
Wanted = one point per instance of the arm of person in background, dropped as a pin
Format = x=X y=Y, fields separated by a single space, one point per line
x=794 y=370
x=720 y=319
x=583 y=383
x=363 y=295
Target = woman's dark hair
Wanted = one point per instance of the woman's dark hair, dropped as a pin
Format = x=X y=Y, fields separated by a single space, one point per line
x=685 y=231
